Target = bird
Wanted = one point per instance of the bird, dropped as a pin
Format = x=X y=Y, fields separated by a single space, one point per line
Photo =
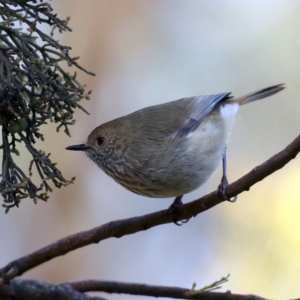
x=170 y=149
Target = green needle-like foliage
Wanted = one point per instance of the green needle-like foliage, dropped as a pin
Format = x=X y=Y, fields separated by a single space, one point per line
x=34 y=89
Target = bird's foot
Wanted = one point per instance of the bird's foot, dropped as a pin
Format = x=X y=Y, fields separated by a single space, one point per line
x=173 y=211
x=221 y=190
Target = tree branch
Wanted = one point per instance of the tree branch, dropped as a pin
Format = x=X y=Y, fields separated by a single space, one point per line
x=155 y=290
x=41 y=290
x=37 y=289
x=131 y=225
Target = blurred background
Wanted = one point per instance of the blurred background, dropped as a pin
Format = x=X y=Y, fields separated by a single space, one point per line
x=150 y=52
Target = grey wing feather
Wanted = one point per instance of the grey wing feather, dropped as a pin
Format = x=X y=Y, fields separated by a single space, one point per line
x=203 y=107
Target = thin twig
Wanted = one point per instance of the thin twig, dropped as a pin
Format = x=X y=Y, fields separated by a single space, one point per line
x=155 y=290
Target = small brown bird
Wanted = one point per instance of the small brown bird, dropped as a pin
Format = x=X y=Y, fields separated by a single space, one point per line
x=170 y=149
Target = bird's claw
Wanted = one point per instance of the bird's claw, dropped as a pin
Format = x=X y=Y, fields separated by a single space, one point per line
x=180 y=223
x=221 y=190
x=173 y=211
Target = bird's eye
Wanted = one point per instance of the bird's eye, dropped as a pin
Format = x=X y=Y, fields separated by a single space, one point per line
x=100 y=141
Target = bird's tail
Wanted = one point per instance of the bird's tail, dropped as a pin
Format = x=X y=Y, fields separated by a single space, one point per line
x=259 y=94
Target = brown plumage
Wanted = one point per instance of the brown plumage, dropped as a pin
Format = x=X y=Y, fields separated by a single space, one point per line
x=170 y=149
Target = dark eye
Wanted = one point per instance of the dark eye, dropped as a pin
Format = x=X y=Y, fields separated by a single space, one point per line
x=100 y=140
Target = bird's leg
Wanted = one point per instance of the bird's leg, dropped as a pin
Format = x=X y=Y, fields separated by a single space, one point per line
x=224 y=182
x=173 y=210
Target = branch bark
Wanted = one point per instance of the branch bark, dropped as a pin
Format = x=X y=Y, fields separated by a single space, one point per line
x=131 y=225
x=41 y=290
x=156 y=291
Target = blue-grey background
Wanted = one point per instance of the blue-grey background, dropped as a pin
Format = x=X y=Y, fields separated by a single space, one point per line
x=150 y=52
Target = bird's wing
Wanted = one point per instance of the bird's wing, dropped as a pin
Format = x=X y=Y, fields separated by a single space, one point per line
x=203 y=107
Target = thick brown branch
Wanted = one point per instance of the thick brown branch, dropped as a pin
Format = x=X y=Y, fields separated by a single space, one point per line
x=128 y=226
x=41 y=290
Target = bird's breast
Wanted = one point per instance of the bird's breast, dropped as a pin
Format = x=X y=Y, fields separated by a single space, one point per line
x=172 y=167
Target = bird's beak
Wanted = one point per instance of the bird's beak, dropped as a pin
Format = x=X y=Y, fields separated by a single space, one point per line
x=81 y=147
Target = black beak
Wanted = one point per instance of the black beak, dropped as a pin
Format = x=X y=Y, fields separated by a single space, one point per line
x=81 y=147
